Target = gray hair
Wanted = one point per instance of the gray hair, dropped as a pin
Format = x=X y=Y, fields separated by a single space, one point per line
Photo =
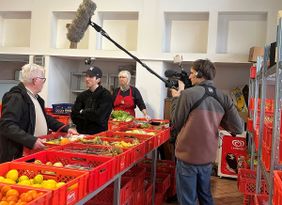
x=127 y=74
x=31 y=71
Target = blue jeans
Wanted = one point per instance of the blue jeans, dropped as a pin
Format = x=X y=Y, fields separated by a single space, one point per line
x=193 y=183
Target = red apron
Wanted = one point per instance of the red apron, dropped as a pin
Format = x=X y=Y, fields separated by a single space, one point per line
x=125 y=103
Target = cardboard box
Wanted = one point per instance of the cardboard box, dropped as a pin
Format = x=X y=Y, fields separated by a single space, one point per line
x=254 y=53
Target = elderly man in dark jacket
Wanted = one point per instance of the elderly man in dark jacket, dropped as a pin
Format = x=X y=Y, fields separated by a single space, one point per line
x=23 y=116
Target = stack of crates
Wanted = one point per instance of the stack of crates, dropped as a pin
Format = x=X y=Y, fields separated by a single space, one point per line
x=247 y=185
x=105 y=197
x=165 y=179
x=138 y=176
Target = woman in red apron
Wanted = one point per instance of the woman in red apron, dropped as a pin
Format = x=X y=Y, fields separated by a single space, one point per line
x=126 y=97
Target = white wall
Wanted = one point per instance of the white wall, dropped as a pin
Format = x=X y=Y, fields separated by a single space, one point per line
x=58 y=84
x=151 y=88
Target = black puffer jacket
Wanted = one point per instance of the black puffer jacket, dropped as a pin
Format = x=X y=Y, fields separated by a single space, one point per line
x=17 y=123
x=91 y=111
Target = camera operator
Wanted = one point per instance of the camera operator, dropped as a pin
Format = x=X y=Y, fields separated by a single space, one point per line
x=197 y=113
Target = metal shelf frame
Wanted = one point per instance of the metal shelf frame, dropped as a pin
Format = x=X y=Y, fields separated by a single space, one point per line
x=117 y=182
x=258 y=89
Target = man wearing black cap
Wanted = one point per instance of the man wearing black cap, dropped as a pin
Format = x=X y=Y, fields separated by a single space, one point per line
x=92 y=107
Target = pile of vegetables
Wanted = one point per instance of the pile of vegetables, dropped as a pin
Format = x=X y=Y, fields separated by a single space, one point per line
x=121 y=116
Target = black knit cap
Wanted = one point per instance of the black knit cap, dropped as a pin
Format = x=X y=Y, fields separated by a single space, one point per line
x=94 y=71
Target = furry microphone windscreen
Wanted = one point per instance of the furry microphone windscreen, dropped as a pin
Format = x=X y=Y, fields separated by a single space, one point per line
x=80 y=23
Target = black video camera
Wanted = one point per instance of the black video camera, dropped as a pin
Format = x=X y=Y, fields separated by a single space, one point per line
x=89 y=61
x=174 y=76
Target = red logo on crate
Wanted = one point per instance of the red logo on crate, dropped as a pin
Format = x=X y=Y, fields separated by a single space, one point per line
x=71 y=197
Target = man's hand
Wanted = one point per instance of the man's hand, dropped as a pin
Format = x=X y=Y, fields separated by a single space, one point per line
x=181 y=85
x=39 y=144
x=72 y=131
x=176 y=93
x=147 y=117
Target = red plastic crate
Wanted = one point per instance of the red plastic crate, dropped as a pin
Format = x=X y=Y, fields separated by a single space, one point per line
x=138 y=176
x=53 y=135
x=138 y=151
x=163 y=166
x=269 y=105
x=277 y=194
x=253 y=72
x=158 y=137
x=249 y=199
x=247 y=182
x=250 y=125
x=106 y=195
x=148 y=193
x=100 y=168
x=44 y=199
x=150 y=142
x=70 y=193
x=156 y=124
x=267 y=135
x=159 y=198
x=138 y=196
x=256 y=139
x=114 y=125
x=49 y=110
x=266 y=157
x=123 y=160
x=261 y=199
x=62 y=118
x=162 y=181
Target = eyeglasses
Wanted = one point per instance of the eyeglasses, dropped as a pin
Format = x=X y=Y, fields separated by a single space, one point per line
x=43 y=79
x=122 y=76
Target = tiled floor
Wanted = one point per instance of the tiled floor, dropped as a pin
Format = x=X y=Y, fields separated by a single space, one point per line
x=225 y=192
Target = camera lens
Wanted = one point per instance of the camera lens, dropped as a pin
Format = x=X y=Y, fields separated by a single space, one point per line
x=87 y=61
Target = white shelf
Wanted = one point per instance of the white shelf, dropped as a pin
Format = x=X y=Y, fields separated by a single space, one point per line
x=120 y=26
x=13 y=24
x=186 y=32
x=59 y=31
x=235 y=27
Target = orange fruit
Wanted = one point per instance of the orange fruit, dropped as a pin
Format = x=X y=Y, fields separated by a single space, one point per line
x=25 y=197
x=4 y=189
x=12 y=198
x=4 y=203
x=39 y=194
x=12 y=192
x=32 y=193
x=21 y=203
x=64 y=141
x=12 y=202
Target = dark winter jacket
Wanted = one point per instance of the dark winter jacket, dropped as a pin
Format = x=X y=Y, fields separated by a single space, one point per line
x=17 y=123
x=91 y=111
x=197 y=138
